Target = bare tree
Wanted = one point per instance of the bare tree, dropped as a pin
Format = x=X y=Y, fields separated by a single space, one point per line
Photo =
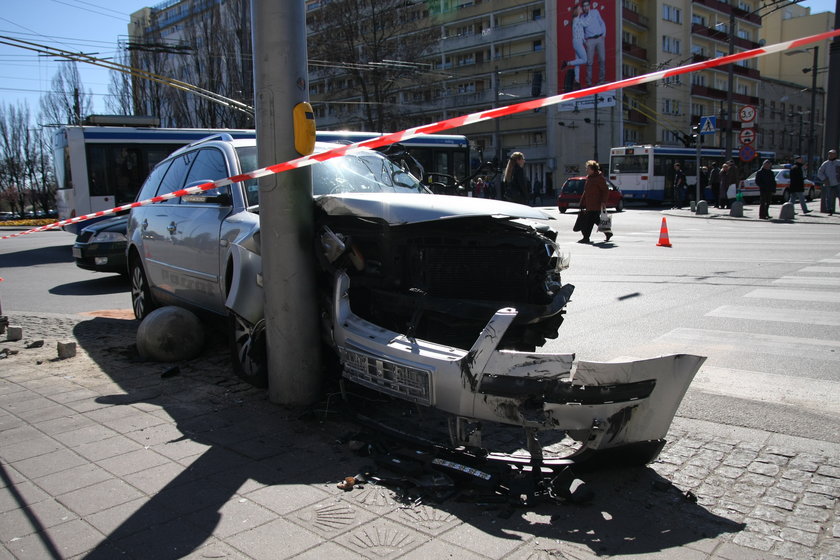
x=366 y=47
x=68 y=101
x=26 y=175
x=14 y=133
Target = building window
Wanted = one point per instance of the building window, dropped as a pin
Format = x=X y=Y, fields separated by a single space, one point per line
x=670 y=13
x=670 y=44
x=670 y=137
x=538 y=45
x=672 y=81
x=698 y=50
x=698 y=109
x=698 y=19
x=744 y=34
x=698 y=79
x=670 y=106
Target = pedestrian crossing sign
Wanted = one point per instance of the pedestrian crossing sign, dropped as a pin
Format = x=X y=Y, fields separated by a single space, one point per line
x=708 y=125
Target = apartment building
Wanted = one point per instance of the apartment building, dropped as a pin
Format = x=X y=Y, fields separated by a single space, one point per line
x=489 y=53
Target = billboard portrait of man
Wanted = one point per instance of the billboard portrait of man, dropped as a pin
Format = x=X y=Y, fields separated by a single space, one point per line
x=586 y=43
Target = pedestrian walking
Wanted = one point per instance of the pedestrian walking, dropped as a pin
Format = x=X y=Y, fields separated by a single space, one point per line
x=479 y=188
x=714 y=183
x=797 y=184
x=679 y=186
x=515 y=185
x=723 y=186
x=593 y=201
x=766 y=181
x=829 y=174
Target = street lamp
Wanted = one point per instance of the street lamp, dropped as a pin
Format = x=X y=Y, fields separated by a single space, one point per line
x=813 y=71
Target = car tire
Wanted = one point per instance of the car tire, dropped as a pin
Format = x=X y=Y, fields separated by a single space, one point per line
x=248 y=350
x=562 y=210
x=142 y=300
x=620 y=206
x=785 y=195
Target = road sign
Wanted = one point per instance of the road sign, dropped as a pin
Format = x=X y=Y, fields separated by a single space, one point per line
x=746 y=113
x=708 y=125
x=746 y=153
x=746 y=136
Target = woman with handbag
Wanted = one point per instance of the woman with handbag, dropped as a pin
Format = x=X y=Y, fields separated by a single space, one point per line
x=593 y=201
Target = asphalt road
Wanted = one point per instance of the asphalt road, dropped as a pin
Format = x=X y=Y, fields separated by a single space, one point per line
x=39 y=276
x=760 y=300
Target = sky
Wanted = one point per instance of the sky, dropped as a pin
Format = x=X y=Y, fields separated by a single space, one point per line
x=94 y=27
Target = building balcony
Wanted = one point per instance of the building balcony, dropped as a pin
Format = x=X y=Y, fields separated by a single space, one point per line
x=726 y=8
x=722 y=36
x=737 y=68
x=490 y=35
x=713 y=93
x=634 y=50
x=634 y=17
x=633 y=116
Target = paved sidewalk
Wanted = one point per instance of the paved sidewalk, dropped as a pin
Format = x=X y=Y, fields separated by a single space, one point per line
x=751 y=214
x=104 y=456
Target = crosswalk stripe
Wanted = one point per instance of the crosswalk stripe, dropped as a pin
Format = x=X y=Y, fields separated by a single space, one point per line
x=808 y=281
x=832 y=269
x=816 y=394
x=795 y=295
x=775 y=314
x=791 y=347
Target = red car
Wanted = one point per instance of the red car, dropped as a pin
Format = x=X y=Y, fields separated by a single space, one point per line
x=572 y=190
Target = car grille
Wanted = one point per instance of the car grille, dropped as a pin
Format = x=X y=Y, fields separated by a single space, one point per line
x=406 y=382
x=484 y=273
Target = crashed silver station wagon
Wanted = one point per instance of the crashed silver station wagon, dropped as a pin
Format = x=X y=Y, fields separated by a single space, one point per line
x=437 y=300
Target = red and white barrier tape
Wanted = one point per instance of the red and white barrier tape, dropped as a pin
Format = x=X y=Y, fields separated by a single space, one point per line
x=449 y=124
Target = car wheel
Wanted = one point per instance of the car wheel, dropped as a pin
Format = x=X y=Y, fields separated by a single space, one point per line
x=142 y=300
x=786 y=196
x=562 y=210
x=620 y=206
x=248 y=350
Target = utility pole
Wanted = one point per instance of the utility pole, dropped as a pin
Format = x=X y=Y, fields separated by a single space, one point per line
x=831 y=130
x=731 y=75
x=286 y=207
x=811 y=165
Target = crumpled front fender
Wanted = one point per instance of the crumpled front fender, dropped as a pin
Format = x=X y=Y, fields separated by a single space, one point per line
x=603 y=405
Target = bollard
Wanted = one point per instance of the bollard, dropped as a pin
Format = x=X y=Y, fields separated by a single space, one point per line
x=14 y=333
x=737 y=209
x=66 y=350
x=702 y=208
x=787 y=212
x=693 y=206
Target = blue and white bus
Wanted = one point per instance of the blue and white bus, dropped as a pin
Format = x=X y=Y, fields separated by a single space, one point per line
x=646 y=173
x=102 y=166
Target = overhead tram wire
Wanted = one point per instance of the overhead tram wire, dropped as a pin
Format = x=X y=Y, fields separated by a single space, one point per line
x=177 y=84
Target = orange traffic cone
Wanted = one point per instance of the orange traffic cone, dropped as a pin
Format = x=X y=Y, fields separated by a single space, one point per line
x=663 y=235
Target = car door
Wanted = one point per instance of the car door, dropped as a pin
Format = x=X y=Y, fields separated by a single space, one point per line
x=158 y=232
x=197 y=221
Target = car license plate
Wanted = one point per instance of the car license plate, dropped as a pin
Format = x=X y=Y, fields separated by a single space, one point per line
x=77 y=253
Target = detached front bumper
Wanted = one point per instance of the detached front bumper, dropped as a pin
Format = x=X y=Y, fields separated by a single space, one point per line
x=601 y=405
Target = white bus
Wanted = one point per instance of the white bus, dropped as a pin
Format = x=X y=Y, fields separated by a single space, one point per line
x=646 y=173
x=101 y=167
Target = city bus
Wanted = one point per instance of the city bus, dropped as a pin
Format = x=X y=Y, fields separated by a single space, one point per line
x=103 y=166
x=646 y=173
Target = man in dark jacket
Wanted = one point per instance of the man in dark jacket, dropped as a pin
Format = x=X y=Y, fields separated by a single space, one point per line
x=766 y=181
x=714 y=183
x=797 y=184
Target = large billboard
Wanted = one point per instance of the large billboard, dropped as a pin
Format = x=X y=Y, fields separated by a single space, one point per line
x=587 y=49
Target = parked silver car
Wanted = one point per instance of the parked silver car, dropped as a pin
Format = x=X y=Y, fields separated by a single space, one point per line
x=433 y=299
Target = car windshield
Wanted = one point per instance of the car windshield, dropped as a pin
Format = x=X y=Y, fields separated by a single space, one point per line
x=363 y=171
x=573 y=186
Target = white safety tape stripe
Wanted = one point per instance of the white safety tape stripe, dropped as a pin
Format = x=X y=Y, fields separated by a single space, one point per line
x=455 y=122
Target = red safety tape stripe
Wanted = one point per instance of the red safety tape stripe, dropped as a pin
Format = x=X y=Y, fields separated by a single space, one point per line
x=455 y=122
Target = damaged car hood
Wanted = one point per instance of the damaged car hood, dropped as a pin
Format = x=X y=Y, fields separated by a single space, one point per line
x=402 y=208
